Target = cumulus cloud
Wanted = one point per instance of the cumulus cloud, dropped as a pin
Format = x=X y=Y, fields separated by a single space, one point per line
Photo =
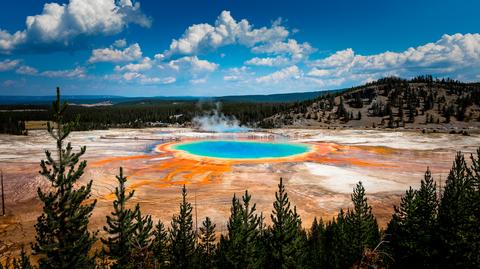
x=114 y=55
x=291 y=51
x=291 y=72
x=145 y=64
x=226 y=31
x=269 y=61
x=78 y=72
x=59 y=25
x=450 y=55
x=144 y=79
x=7 y=65
x=193 y=64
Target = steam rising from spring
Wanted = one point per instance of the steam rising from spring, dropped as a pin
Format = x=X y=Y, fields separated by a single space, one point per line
x=216 y=121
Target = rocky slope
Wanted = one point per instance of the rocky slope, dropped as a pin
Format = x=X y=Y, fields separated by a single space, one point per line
x=420 y=103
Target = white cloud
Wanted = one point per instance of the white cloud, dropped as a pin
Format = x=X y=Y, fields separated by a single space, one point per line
x=111 y=54
x=168 y=80
x=7 y=65
x=144 y=79
x=338 y=59
x=452 y=55
x=78 y=72
x=62 y=24
x=226 y=31
x=291 y=72
x=269 y=61
x=145 y=64
x=192 y=63
x=27 y=70
x=290 y=47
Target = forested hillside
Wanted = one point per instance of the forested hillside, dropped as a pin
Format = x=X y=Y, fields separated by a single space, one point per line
x=422 y=102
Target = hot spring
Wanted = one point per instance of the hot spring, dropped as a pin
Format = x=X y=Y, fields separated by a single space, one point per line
x=233 y=149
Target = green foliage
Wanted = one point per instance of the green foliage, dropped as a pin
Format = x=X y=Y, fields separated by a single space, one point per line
x=182 y=236
x=413 y=227
x=316 y=244
x=207 y=245
x=141 y=240
x=287 y=244
x=160 y=245
x=361 y=224
x=120 y=227
x=63 y=239
x=238 y=249
x=458 y=218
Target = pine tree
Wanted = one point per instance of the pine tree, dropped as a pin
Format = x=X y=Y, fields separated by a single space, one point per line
x=160 y=245
x=120 y=227
x=316 y=245
x=413 y=227
x=338 y=244
x=425 y=218
x=456 y=218
x=239 y=249
x=182 y=236
x=207 y=245
x=63 y=239
x=399 y=229
x=361 y=224
x=474 y=174
x=141 y=240
x=286 y=242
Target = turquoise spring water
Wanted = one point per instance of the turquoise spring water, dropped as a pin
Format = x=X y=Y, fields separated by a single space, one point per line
x=231 y=149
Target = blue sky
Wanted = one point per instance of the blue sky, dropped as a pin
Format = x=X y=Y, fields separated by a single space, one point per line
x=228 y=47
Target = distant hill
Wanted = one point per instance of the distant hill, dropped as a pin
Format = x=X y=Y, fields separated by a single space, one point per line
x=103 y=99
x=419 y=103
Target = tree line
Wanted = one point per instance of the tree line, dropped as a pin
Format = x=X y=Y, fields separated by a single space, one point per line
x=430 y=228
x=138 y=114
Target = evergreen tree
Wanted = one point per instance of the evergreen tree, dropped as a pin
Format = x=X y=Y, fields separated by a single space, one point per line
x=239 y=248
x=338 y=243
x=316 y=245
x=402 y=244
x=456 y=219
x=207 y=245
x=62 y=236
x=141 y=240
x=474 y=173
x=425 y=218
x=120 y=227
x=362 y=226
x=160 y=245
x=182 y=236
x=286 y=244
x=413 y=226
